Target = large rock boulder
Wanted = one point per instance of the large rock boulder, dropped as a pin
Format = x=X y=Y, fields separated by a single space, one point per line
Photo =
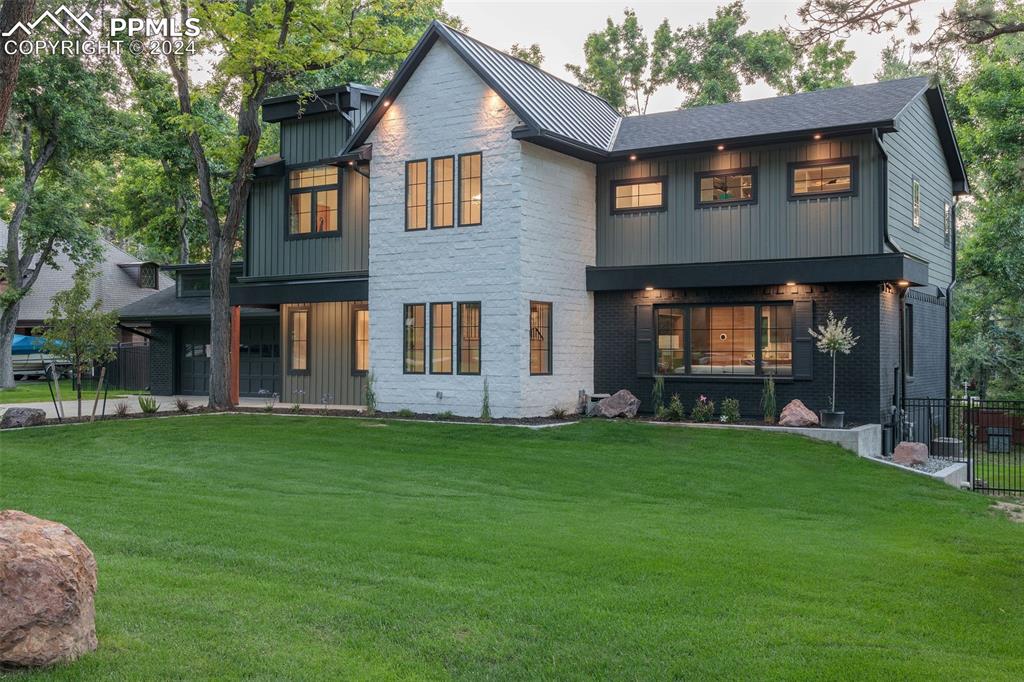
x=795 y=413
x=621 y=404
x=47 y=586
x=910 y=454
x=16 y=417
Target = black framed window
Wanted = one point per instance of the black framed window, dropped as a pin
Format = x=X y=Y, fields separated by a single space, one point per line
x=638 y=194
x=915 y=202
x=471 y=188
x=313 y=201
x=298 y=341
x=416 y=195
x=830 y=177
x=947 y=222
x=724 y=340
x=442 y=195
x=440 y=338
x=360 y=339
x=415 y=338
x=540 y=337
x=469 y=338
x=735 y=186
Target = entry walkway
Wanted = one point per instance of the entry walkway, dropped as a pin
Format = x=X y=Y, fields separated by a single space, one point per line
x=166 y=402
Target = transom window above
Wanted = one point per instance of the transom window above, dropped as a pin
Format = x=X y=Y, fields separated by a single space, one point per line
x=816 y=178
x=725 y=187
x=644 y=194
x=313 y=201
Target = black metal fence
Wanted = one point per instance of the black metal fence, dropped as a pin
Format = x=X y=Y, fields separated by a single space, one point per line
x=130 y=370
x=986 y=434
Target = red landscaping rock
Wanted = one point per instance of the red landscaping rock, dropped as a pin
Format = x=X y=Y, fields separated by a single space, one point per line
x=909 y=453
x=795 y=413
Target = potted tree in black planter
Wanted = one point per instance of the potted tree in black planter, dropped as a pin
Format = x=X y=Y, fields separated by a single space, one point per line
x=834 y=337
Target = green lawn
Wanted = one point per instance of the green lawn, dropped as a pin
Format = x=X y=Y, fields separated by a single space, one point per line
x=38 y=391
x=255 y=546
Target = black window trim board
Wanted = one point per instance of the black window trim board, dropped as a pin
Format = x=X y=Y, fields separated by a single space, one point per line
x=405 y=337
x=550 y=340
x=356 y=307
x=288 y=192
x=480 y=337
x=292 y=310
x=792 y=166
x=426 y=198
x=458 y=188
x=663 y=179
x=431 y=179
x=430 y=344
x=699 y=175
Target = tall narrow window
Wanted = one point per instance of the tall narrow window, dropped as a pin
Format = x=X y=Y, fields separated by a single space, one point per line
x=313 y=201
x=469 y=338
x=440 y=338
x=416 y=195
x=671 y=358
x=834 y=177
x=415 y=338
x=777 y=340
x=540 y=338
x=360 y=339
x=947 y=222
x=443 y=193
x=470 y=189
x=298 y=341
x=915 y=194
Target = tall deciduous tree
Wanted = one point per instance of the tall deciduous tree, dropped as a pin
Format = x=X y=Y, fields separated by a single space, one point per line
x=12 y=12
x=826 y=65
x=530 y=54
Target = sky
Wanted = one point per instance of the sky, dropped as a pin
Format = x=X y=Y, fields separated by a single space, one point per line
x=561 y=28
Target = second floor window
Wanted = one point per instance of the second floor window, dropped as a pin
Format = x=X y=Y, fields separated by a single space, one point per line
x=725 y=187
x=470 y=189
x=642 y=194
x=832 y=177
x=915 y=199
x=416 y=195
x=947 y=223
x=313 y=201
x=443 y=193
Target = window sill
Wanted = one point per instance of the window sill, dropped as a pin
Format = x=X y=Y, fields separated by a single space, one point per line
x=312 y=235
x=725 y=378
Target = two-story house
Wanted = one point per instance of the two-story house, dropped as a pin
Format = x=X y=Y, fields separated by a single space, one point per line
x=481 y=220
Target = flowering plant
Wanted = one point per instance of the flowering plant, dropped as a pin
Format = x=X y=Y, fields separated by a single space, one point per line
x=831 y=338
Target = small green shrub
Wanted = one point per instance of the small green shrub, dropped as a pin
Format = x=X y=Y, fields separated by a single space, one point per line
x=485 y=409
x=121 y=409
x=269 y=399
x=658 y=395
x=703 y=409
x=182 y=405
x=768 y=405
x=406 y=412
x=371 y=396
x=675 y=411
x=148 y=404
x=296 y=408
x=730 y=410
x=444 y=416
x=558 y=412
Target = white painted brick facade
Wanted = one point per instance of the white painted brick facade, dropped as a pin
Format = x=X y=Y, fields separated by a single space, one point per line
x=536 y=239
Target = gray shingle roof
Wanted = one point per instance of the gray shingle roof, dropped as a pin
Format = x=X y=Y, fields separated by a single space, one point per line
x=114 y=285
x=165 y=305
x=858 y=105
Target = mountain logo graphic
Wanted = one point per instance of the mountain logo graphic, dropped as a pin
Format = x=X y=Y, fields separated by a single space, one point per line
x=66 y=24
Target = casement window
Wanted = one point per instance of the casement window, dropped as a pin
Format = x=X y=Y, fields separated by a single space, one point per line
x=148 y=277
x=313 y=201
x=947 y=223
x=416 y=195
x=724 y=340
x=715 y=188
x=470 y=188
x=440 y=338
x=469 y=338
x=540 y=338
x=443 y=192
x=360 y=339
x=908 y=339
x=298 y=341
x=915 y=203
x=415 y=338
x=832 y=177
x=638 y=194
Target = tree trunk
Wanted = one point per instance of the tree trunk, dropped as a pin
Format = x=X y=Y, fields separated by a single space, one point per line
x=183 y=245
x=220 y=323
x=8 y=321
x=11 y=13
x=78 y=390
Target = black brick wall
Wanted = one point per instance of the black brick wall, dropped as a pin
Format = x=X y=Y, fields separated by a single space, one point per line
x=858 y=385
x=930 y=339
x=161 y=360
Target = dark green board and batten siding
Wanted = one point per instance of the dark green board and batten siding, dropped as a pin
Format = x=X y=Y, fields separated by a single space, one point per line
x=330 y=357
x=773 y=227
x=270 y=253
x=914 y=151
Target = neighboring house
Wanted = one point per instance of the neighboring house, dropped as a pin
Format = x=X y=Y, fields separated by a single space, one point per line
x=482 y=219
x=120 y=280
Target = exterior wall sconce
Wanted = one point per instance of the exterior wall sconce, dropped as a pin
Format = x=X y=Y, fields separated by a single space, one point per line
x=903 y=283
x=817 y=136
x=720 y=147
x=632 y=157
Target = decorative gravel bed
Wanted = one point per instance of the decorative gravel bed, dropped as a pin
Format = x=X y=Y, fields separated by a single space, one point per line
x=933 y=465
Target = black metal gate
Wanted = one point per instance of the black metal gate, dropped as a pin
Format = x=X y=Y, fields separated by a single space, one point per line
x=986 y=434
x=129 y=371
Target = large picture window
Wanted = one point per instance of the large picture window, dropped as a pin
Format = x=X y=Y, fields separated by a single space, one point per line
x=641 y=194
x=724 y=340
x=360 y=339
x=416 y=195
x=471 y=189
x=726 y=187
x=313 y=201
x=469 y=338
x=540 y=338
x=440 y=338
x=833 y=177
x=443 y=192
x=415 y=338
x=298 y=341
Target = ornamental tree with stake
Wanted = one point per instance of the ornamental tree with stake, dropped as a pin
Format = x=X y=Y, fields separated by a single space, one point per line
x=831 y=338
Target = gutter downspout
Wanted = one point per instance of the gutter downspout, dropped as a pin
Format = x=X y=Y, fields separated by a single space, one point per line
x=949 y=299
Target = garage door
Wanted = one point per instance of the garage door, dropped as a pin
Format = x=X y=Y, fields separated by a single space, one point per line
x=259 y=355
